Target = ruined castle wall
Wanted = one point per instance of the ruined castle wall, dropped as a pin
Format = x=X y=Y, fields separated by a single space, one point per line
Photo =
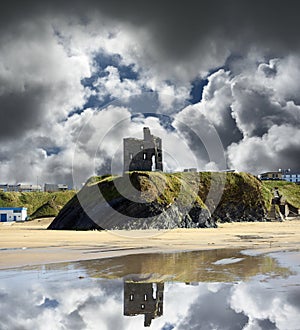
x=138 y=153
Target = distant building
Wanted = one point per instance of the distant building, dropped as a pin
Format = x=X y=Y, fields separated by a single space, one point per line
x=8 y=214
x=9 y=187
x=192 y=169
x=13 y=187
x=144 y=298
x=51 y=187
x=143 y=154
x=29 y=187
x=291 y=177
x=271 y=176
x=286 y=175
x=3 y=187
x=20 y=187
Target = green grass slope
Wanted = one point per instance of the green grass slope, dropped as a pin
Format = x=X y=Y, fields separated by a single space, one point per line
x=241 y=194
x=238 y=188
x=142 y=200
x=39 y=204
x=290 y=191
x=164 y=188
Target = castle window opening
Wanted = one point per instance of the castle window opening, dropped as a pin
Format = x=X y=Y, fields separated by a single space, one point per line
x=131 y=297
x=153 y=163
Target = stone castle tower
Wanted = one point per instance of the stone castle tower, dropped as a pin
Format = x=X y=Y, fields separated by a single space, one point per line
x=143 y=154
x=139 y=300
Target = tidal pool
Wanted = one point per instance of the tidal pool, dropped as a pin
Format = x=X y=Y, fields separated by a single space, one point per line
x=217 y=289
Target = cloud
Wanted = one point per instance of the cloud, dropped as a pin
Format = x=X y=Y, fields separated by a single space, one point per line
x=262 y=100
x=278 y=148
x=174 y=35
x=59 y=62
x=264 y=307
x=201 y=315
x=111 y=85
x=216 y=106
x=99 y=303
x=257 y=120
x=39 y=82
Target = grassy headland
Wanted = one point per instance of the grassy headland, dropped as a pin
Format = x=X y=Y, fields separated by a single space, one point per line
x=145 y=200
x=243 y=198
x=39 y=204
x=290 y=191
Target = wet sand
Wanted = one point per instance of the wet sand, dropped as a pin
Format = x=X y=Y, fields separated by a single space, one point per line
x=23 y=244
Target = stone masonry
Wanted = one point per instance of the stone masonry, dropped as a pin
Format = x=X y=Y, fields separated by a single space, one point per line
x=143 y=154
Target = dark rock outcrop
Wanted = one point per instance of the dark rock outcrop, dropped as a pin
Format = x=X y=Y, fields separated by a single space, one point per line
x=125 y=214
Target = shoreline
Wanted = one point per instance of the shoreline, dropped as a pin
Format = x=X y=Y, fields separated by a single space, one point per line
x=30 y=244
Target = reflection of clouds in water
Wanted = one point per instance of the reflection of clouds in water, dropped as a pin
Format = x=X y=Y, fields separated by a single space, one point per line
x=32 y=302
x=247 y=305
x=84 y=304
x=212 y=311
x=261 y=303
x=25 y=308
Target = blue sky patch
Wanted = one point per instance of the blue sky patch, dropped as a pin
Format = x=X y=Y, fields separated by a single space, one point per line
x=197 y=89
x=52 y=151
x=49 y=303
x=102 y=61
x=164 y=120
x=168 y=326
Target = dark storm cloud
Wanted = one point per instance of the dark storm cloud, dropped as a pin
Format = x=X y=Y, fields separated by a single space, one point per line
x=179 y=28
x=255 y=111
x=290 y=157
x=267 y=325
x=20 y=111
x=175 y=41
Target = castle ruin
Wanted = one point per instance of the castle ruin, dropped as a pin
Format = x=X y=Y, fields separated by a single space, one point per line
x=144 y=299
x=143 y=154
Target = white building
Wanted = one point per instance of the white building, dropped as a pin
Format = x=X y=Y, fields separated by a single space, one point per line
x=20 y=187
x=29 y=187
x=13 y=214
x=291 y=177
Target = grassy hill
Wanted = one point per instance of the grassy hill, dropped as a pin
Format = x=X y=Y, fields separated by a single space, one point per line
x=142 y=200
x=163 y=187
x=290 y=191
x=39 y=204
x=189 y=186
x=244 y=196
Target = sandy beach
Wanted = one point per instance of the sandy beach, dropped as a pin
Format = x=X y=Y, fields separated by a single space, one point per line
x=29 y=243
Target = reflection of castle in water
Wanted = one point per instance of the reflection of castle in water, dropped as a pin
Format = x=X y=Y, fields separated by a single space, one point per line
x=143 y=274
x=143 y=298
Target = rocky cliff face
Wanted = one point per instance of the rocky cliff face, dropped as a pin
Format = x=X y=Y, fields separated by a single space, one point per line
x=146 y=200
